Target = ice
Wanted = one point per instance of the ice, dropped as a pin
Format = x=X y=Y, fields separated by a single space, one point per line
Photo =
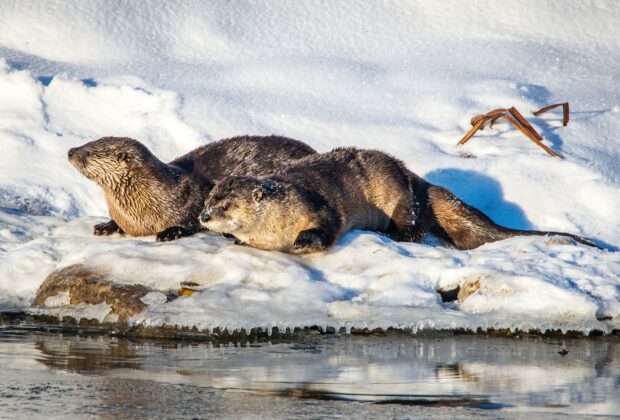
x=404 y=79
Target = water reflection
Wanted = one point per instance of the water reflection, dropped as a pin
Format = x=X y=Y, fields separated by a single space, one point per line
x=526 y=374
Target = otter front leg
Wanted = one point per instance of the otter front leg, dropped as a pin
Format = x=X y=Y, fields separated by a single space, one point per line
x=312 y=240
x=237 y=241
x=174 y=232
x=107 y=228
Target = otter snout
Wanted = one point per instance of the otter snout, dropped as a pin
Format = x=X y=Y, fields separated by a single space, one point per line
x=77 y=154
x=72 y=152
x=204 y=216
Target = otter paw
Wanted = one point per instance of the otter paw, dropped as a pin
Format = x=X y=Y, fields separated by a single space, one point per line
x=106 y=228
x=311 y=240
x=237 y=241
x=172 y=233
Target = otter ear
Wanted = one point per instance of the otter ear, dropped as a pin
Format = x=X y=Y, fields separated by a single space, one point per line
x=122 y=156
x=258 y=194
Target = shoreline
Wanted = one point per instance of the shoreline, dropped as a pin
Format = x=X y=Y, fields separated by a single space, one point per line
x=22 y=321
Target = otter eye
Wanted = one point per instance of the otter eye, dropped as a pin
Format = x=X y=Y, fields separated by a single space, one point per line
x=225 y=206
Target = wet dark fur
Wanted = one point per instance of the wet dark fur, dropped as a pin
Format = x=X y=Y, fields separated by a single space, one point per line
x=146 y=196
x=315 y=200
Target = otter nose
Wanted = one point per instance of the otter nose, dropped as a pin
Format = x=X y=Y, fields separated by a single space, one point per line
x=204 y=217
x=72 y=152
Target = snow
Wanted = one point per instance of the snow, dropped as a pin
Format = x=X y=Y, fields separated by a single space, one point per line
x=405 y=79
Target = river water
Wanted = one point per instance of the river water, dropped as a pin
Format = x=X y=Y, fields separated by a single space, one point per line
x=59 y=375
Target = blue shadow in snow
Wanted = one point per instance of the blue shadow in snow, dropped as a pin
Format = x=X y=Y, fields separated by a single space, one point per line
x=317 y=275
x=90 y=82
x=46 y=80
x=483 y=193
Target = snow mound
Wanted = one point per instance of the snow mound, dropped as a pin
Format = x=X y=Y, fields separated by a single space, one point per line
x=366 y=280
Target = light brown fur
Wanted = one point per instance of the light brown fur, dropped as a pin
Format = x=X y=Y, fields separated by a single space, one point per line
x=146 y=196
x=314 y=201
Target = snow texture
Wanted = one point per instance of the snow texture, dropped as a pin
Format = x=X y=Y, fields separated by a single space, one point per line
x=405 y=78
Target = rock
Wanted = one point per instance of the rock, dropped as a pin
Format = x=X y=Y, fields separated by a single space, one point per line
x=468 y=288
x=75 y=285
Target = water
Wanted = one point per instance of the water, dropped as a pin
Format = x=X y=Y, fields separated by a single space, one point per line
x=55 y=375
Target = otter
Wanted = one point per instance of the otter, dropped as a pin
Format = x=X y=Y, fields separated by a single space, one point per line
x=308 y=205
x=146 y=196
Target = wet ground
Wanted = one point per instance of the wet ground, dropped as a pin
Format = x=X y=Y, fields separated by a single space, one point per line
x=52 y=374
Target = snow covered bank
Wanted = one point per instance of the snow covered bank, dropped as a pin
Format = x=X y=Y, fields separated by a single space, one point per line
x=365 y=281
x=404 y=79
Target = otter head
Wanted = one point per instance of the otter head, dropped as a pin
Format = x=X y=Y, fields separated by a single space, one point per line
x=238 y=204
x=110 y=161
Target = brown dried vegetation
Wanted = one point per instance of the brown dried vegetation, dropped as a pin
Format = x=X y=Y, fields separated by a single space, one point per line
x=514 y=117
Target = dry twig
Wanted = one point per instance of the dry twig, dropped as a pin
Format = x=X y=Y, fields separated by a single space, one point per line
x=565 y=111
x=514 y=117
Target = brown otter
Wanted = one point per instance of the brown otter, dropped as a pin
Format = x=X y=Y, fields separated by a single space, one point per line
x=313 y=201
x=146 y=196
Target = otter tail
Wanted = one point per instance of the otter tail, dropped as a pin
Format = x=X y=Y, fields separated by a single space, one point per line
x=468 y=228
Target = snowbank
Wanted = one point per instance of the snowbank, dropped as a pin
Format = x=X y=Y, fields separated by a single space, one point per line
x=405 y=80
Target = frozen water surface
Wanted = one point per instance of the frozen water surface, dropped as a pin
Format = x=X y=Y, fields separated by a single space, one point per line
x=52 y=375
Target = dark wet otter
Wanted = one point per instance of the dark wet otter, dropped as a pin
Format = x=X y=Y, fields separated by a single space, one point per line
x=146 y=196
x=313 y=201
